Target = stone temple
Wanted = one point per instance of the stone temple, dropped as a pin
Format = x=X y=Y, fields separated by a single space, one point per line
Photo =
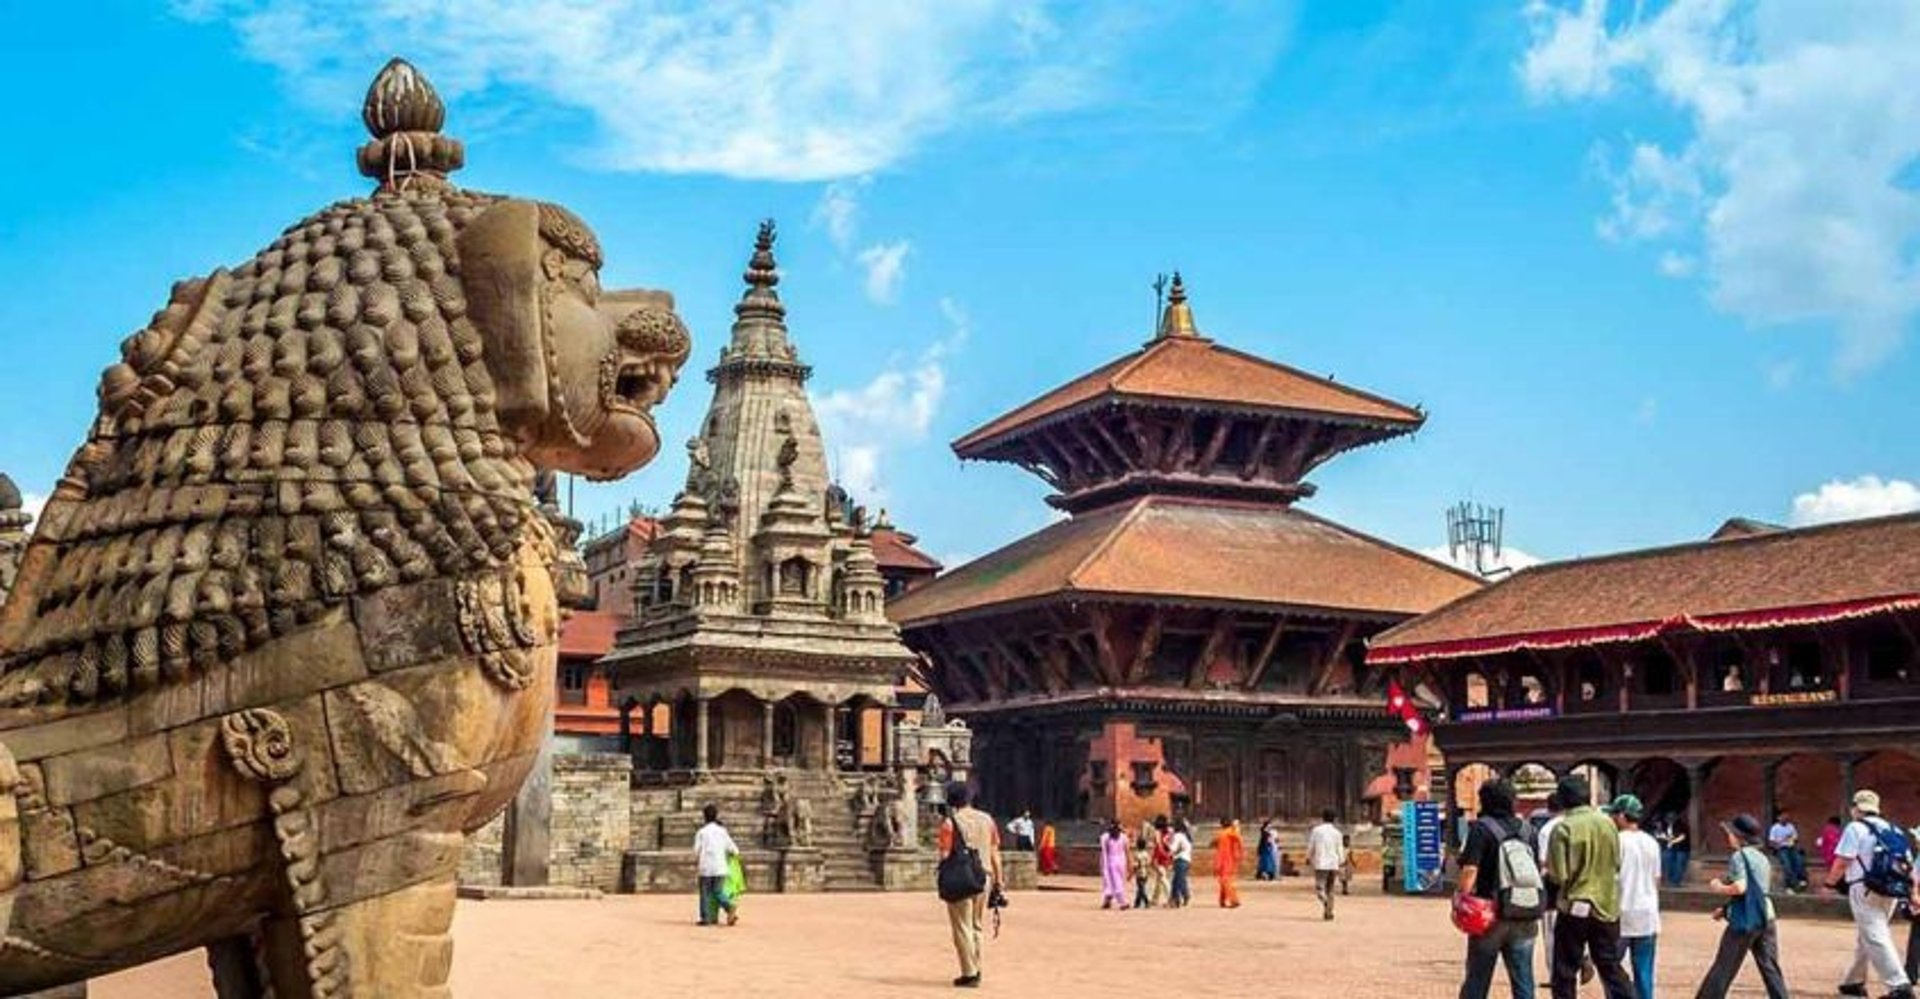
x=760 y=639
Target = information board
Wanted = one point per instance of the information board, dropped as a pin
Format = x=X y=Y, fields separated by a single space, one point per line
x=1420 y=846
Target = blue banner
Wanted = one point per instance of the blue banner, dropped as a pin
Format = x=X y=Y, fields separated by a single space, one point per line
x=1420 y=846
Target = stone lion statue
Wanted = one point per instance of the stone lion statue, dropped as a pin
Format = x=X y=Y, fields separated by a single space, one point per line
x=286 y=632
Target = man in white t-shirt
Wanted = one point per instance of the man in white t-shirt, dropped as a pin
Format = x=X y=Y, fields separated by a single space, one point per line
x=712 y=848
x=1639 y=891
x=1872 y=912
x=1326 y=854
x=1180 y=844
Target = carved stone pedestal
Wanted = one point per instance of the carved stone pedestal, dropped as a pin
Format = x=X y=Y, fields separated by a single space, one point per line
x=802 y=868
x=904 y=868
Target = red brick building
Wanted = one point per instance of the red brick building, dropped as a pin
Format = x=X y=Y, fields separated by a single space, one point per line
x=1768 y=669
x=1187 y=639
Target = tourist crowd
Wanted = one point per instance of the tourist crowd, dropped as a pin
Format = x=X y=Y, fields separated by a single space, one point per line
x=1581 y=881
x=1584 y=881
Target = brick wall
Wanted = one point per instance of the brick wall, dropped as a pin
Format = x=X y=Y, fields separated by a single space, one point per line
x=592 y=819
x=592 y=825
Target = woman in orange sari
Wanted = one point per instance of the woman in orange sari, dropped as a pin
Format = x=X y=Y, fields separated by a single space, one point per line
x=1049 y=859
x=1228 y=851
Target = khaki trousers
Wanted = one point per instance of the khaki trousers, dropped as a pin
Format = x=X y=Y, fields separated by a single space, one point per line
x=966 y=918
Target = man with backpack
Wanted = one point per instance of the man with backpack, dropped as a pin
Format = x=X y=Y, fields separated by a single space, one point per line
x=1497 y=864
x=969 y=868
x=1874 y=862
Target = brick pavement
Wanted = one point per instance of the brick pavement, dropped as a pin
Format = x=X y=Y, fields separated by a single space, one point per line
x=1055 y=943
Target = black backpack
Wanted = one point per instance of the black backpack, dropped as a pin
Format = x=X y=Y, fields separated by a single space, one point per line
x=961 y=875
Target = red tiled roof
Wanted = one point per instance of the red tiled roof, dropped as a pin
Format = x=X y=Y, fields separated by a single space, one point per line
x=895 y=550
x=1202 y=550
x=1195 y=369
x=1758 y=581
x=589 y=634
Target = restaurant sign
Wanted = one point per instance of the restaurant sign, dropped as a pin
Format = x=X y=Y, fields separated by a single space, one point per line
x=1794 y=697
x=1531 y=712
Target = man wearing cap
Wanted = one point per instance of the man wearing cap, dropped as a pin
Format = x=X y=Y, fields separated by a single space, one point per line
x=1756 y=934
x=1872 y=913
x=1584 y=860
x=1639 y=890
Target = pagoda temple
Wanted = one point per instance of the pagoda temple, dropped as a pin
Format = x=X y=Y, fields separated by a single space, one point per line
x=1187 y=640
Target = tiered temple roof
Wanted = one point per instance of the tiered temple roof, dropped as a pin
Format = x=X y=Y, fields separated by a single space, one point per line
x=1179 y=463
x=1150 y=548
x=1185 y=415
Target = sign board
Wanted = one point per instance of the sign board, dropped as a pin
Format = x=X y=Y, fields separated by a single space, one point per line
x=1531 y=712
x=1420 y=846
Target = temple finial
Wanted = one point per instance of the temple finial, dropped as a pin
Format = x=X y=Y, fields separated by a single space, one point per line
x=761 y=270
x=1177 y=320
x=761 y=301
x=404 y=115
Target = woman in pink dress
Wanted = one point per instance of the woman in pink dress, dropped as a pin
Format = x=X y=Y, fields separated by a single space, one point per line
x=1113 y=867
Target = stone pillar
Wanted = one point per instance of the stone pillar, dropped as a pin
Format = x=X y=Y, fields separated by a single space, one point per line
x=527 y=832
x=626 y=726
x=833 y=738
x=766 y=733
x=1697 y=774
x=700 y=731
x=1452 y=810
x=887 y=720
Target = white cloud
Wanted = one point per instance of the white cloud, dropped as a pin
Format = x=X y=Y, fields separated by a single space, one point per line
x=886 y=267
x=1782 y=374
x=32 y=504
x=1851 y=499
x=894 y=409
x=1787 y=186
x=838 y=211
x=1510 y=560
x=790 y=90
x=1678 y=265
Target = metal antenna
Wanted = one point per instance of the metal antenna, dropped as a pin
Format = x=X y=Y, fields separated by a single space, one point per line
x=1479 y=531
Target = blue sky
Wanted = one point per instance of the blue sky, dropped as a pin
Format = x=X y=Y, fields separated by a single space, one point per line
x=1648 y=265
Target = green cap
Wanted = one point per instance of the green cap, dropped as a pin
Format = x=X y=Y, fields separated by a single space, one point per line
x=1626 y=805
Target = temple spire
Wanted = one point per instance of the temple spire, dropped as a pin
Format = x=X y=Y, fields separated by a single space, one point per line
x=760 y=318
x=1177 y=319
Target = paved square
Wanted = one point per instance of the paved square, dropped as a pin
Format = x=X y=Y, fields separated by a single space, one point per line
x=1054 y=944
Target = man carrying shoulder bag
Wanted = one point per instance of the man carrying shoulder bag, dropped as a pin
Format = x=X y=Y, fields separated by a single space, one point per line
x=969 y=870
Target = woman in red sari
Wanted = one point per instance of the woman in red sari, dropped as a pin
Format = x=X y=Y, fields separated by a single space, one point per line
x=1049 y=859
x=1228 y=851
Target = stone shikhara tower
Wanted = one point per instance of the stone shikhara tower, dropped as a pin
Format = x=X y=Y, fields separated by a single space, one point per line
x=759 y=637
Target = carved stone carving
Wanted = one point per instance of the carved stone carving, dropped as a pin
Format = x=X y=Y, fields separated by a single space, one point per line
x=286 y=630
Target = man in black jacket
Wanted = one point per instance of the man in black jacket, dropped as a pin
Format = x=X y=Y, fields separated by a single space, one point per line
x=1510 y=941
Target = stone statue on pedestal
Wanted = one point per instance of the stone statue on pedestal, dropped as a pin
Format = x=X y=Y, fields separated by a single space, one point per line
x=288 y=629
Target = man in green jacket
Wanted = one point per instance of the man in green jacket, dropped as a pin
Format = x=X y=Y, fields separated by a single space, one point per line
x=1583 y=861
